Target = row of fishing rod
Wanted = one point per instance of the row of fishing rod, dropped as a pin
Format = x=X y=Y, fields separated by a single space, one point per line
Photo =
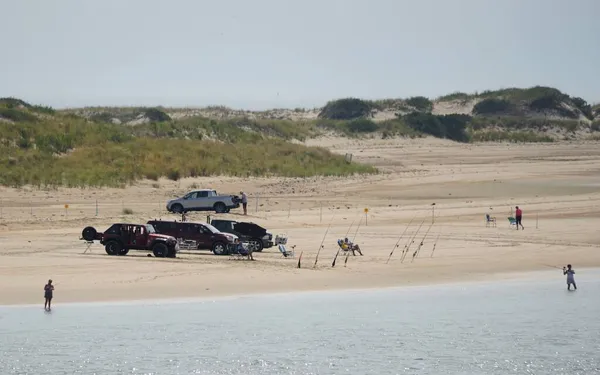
x=405 y=250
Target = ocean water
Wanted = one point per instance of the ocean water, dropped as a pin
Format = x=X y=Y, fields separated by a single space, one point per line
x=515 y=327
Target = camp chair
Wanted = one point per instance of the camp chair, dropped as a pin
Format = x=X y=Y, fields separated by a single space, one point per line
x=490 y=220
x=285 y=253
x=512 y=221
x=240 y=252
x=343 y=246
x=281 y=240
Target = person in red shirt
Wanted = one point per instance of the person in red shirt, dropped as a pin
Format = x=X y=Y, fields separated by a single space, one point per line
x=518 y=217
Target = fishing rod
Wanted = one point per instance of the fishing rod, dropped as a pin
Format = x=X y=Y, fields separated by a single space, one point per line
x=339 y=248
x=410 y=242
x=435 y=243
x=421 y=244
x=400 y=238
x=323 y=241
x=558 y=268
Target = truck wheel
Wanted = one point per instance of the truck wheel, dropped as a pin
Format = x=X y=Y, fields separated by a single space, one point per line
x=160 y=250
x=256 y=245
x=113 y=248
x=123 y=252
x=218 y=248
x=177 y=208
x=172 y=253
x=220 y=207
x=89 y=233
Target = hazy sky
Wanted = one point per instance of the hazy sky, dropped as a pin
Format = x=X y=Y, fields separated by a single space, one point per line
x=276 y=53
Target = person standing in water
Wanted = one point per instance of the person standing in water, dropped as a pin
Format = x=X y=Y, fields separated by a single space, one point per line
x=48 y=291
x=570 y=277
x=519 y=217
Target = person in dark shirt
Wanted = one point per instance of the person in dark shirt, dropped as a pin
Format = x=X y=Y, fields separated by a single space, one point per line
x=48 y=291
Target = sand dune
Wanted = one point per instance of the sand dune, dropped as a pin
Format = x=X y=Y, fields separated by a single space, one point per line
x=557 y=185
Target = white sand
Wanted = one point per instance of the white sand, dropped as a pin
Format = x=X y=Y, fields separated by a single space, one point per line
x=557 y=184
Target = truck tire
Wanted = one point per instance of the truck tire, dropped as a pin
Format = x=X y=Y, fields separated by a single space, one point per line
x=113 y=247
x=220 y=207
x=219 y=248
x=89 y=233
x=177 y=208
x=256 y=244
x=123 y=252
x=172 y=253
x=160 y=250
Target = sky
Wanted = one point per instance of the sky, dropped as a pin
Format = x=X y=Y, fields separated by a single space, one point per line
x=258 y=54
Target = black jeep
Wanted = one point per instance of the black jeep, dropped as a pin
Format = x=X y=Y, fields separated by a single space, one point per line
x=257 y=237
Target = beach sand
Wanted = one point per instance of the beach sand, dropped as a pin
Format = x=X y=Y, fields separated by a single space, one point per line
x=557 y=186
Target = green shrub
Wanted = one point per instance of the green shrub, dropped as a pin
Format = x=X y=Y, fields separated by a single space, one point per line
x=493 y=106
x=447 y=126
x=584 y=107
x=13 y=103
x=552 y=101
x=346 y=109
x=420 y=103
x=127 y=211
x=156 y=115
x=16 y=115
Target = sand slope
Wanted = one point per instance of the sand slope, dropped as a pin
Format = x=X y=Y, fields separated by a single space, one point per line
x=557 y=184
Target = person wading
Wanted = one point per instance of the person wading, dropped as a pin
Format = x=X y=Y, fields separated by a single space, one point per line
x=48 y=292
x=570 y=277
x=519 y=217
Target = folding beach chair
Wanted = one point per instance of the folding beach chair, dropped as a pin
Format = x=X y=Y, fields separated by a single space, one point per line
x=511 y=221
x=490 y=220
x=240 y=252
x=285 y=253
x=343 y=246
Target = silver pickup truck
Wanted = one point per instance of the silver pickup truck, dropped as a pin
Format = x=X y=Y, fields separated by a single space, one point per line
x=204 y=200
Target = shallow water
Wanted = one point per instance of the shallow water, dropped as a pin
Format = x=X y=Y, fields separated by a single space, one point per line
x=517 y=327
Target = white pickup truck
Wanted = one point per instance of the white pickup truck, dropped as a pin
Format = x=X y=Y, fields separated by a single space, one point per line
x=204 y=200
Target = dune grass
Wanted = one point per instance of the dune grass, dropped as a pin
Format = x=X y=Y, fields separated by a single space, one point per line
x=70 y=151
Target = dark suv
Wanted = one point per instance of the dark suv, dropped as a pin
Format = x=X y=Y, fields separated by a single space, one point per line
x=199 y=235
x=256 y=236
x=122 y=237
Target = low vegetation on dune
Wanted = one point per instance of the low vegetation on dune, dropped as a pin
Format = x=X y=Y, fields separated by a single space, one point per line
x=103 y=146
x=68 y=150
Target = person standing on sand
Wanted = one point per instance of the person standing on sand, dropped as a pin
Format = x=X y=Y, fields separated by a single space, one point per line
x=48 y=291
x=519 y=217
x=570 y=277
x=244 y=202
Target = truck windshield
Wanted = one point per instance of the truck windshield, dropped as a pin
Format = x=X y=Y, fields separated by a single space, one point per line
x=150 y=228
x=211 y=228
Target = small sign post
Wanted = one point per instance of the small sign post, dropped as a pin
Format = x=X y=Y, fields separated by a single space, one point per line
x=366 y=216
